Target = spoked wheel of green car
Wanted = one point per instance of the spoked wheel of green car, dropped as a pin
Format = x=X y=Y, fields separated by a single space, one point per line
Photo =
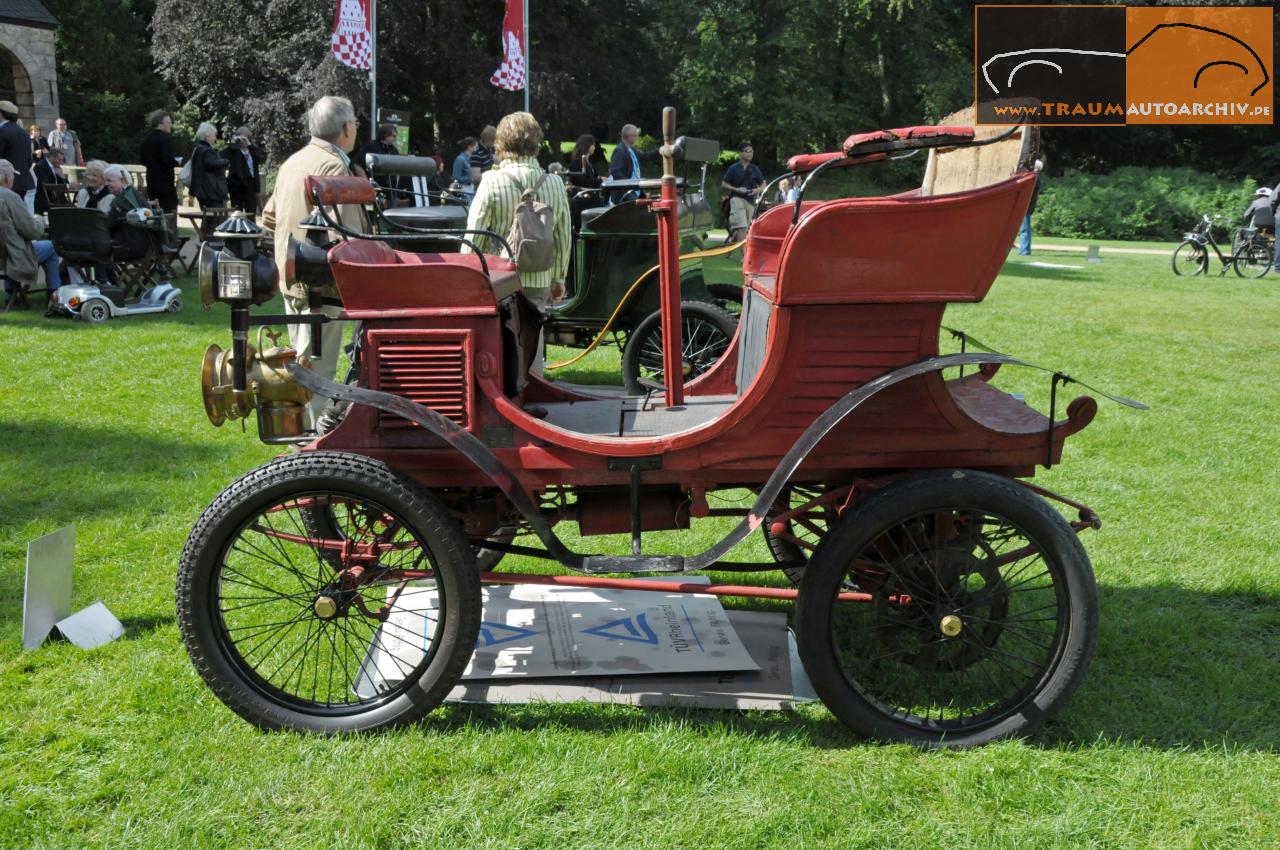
x=1254 y=258
x=362 y=630
x=1190 y=259
x=706 y=331
x=974 y=616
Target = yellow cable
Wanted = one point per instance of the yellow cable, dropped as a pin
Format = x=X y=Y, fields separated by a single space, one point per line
x=696 y=255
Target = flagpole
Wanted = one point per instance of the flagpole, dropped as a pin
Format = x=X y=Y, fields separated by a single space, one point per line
x=373 y=71
x=527 y=74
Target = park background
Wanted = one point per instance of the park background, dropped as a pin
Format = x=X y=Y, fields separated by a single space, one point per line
x=793 y=77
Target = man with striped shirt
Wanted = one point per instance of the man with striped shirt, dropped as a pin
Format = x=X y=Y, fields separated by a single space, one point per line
x=494 y=208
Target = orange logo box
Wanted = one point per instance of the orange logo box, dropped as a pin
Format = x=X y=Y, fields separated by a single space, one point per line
x=1199 y=65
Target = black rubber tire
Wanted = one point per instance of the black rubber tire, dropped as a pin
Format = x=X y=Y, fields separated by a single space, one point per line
x=723 y=322
x=174 y=305
x=343 y=474
x=1197 y=253
x=94 y=311
x=1253 y=260
x=875 y=518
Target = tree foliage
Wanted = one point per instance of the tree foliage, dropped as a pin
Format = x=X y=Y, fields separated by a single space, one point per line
x=791 y=76
x=106 y=82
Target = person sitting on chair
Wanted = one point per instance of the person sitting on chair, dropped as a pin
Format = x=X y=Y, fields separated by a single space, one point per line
x=94 y=194
x=131 y=242
x=21 y=251
x=48 y=172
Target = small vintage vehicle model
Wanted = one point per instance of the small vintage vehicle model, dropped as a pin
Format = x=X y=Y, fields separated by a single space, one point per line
x=942 y=601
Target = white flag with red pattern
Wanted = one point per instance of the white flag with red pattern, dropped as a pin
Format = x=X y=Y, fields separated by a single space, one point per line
x=352 y=43
x=512 y=75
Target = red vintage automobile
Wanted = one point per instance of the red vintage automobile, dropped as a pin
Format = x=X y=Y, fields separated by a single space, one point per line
x=941 y=600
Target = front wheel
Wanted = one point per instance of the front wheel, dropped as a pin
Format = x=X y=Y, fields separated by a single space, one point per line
x=1190 y=259
x=948 y=609
x=706 y=331
x=1253 y=259
x=364 y=630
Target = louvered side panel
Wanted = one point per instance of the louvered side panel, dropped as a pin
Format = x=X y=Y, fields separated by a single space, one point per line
x=428 y=368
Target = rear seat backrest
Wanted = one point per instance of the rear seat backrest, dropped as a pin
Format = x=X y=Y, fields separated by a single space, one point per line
x=963 y=169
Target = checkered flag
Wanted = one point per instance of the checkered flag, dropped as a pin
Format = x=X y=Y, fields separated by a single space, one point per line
x=512 y=75
x=352 y=43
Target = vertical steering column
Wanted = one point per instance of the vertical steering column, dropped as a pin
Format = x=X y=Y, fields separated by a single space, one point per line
x=668 y=211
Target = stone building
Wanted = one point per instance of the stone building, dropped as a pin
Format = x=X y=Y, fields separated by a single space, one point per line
x=28 y=72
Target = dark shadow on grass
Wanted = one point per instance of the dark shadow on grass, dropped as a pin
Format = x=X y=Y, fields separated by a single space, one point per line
x=140 y=627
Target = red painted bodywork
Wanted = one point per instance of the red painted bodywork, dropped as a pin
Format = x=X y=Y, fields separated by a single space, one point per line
x=856 y=288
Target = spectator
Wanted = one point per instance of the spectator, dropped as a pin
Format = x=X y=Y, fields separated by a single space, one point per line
x=94 y=192
x=482 y=158
x=15 y=146
x=39 y=147
x=1275 y=200
x=131 y=242
x=1024 y=232
x=66 y=139
x=208 y=170
x=244 y=175
x=582 y=173
x=158 y=158
x=23 y=250
x=332 y=124
x=400 y=188
x=48 y=172
x=1259 y=213
x=518 y=139
x=788 y=190
x=743 y=183
x=462 y=166
x=625 y=163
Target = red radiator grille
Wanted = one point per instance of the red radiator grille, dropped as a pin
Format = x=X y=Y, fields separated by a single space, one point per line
x=431 y=372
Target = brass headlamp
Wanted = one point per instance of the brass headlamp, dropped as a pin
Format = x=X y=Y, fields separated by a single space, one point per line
x=279 y=400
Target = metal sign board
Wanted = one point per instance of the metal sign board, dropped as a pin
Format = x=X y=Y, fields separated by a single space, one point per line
x=91 y=627
x=47 y=595
x=779 y=684
x=539 y=631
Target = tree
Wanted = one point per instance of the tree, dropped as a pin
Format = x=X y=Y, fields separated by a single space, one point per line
x=106 y=82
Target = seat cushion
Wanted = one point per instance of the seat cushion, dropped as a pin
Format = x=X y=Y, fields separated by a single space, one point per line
x=429 y=218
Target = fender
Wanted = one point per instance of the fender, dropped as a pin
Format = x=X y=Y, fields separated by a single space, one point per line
x=488 y=463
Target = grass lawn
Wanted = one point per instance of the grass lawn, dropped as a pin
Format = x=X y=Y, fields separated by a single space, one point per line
x=1172 y=741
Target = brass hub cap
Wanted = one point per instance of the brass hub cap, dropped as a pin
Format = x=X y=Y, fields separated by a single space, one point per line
x=950 y=625
x=326 y=607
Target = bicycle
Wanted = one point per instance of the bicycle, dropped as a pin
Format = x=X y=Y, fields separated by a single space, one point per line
x=1191 y=257
x=1254 y=256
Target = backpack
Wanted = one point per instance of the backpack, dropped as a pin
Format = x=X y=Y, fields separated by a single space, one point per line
x=532 y=236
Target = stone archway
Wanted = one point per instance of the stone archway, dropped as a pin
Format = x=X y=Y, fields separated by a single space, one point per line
x=28 y=74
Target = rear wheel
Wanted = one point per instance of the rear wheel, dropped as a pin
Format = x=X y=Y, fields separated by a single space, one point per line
x=1190 y=259
x=353 y=633
x=1253 y=259
x=973 y=613
x=174 y=305
x=95 y=310
x=706 y=331
x=792 y=541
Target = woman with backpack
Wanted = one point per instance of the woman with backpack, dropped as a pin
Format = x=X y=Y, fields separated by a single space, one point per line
x=519 y=200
